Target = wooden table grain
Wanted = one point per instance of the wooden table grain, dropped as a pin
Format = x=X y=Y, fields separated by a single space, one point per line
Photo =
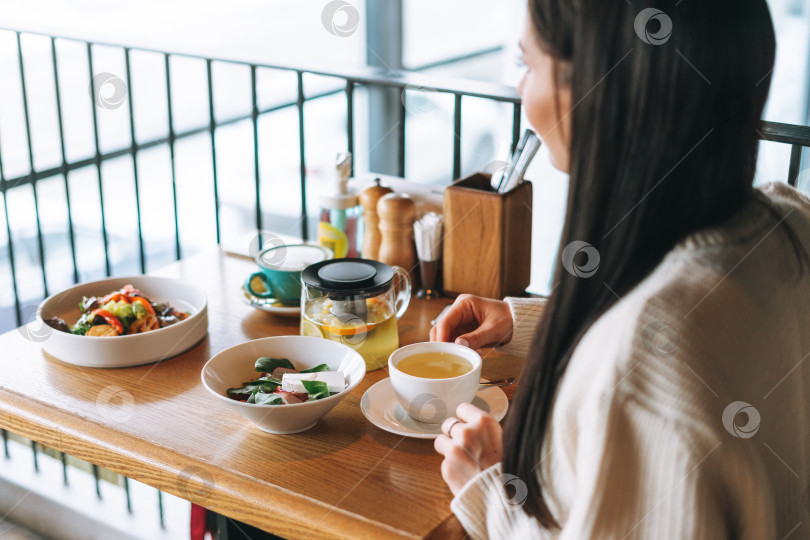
x=344 y=478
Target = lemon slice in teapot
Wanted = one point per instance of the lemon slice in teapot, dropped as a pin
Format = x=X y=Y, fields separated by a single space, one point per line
x=308 y=328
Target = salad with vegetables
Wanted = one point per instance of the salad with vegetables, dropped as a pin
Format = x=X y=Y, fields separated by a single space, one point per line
x=281 y=384
x=126 y=311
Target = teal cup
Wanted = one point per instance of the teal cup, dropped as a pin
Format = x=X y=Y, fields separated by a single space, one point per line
x=279 y=275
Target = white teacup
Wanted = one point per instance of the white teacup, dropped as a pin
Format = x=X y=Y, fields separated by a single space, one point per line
x=432 y=400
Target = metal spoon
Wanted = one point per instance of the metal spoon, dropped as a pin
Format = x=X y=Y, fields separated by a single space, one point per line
x=500 y=382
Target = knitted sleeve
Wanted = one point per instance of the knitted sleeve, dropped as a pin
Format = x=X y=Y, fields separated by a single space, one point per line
x=526 y=314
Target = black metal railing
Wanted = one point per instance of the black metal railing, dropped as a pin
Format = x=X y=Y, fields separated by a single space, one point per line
x=111 y=481
x=356 y=77
x=797 y=137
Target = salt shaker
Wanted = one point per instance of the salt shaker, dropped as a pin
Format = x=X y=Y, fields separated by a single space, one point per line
x=372 y=238
x=397 y=212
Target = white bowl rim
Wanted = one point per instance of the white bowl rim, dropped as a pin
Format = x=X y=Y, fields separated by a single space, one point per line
x=456 y=346
x=340 y=394
x=192 y=317
x=258 y=257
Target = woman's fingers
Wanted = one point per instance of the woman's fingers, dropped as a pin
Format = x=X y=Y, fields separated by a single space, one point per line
x=442 y=444
x=458 y=316
x=468 y=447
x=483 y=423
x=474 y=322
x=487 y=333
x=467 y=412
x=488 y=444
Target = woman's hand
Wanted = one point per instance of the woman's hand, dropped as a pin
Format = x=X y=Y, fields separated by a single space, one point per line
x=474 y=322
x=470 y=443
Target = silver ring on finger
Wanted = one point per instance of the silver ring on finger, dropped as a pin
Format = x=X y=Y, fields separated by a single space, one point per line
x=450 y=428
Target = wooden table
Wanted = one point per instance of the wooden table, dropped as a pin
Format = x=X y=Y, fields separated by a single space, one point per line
x=344 y=478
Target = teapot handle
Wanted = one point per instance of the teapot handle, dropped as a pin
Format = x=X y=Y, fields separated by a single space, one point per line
x=404 y=294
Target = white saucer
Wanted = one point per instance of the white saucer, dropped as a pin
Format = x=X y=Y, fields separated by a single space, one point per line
x=381 y=408
x=270 y=305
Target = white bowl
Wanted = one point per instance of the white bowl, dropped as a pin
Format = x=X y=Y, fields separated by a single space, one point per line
x=126 y=350
x=235 y=366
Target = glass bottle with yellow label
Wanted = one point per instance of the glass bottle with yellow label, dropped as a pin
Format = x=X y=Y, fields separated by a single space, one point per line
x=355 y=302
x=340 y=226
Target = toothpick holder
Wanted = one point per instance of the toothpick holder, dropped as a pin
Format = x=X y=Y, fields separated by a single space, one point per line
x=487 y=239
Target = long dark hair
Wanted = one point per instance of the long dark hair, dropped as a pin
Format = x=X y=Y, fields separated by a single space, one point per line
x=663 y=143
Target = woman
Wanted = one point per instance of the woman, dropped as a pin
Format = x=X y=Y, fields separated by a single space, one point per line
x=664 y=393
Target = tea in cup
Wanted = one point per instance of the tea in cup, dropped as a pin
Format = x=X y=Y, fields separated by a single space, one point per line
x=280 y=267
x=432 y=379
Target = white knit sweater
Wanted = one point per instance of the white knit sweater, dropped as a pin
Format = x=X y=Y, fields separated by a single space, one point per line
x=685 y=410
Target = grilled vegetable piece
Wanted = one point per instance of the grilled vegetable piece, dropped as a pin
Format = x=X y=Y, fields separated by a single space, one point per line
x=110 y=319
x=104 y=330
x=145 y=324
x=290 y=397
x=279 y=372
x=172 y=317
x=89 y=304
x=163 y=309
x=57 y=324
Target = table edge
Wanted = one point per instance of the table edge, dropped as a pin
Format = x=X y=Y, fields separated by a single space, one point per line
x=48 y=427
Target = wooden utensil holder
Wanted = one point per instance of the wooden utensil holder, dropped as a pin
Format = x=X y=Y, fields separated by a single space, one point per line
x=488 y=238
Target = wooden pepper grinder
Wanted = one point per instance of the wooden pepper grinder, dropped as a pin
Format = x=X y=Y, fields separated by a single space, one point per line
x=397 y=213
x=372 y=238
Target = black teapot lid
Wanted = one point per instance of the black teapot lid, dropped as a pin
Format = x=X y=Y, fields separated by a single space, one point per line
x=349 y=277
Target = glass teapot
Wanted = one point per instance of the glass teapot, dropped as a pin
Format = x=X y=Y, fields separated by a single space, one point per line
x=355 y=302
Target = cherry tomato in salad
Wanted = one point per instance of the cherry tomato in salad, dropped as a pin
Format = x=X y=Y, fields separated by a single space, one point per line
x=115 y=297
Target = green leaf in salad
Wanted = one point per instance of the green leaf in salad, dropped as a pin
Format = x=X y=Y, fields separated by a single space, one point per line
x=266 y=384
x=81 y=329
x=84 y=324
x=241 y=393
x=261 y=397
x=265 y=364
x=316 y=389
x=267 y=399
x=316 y=369
x=248 y=390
